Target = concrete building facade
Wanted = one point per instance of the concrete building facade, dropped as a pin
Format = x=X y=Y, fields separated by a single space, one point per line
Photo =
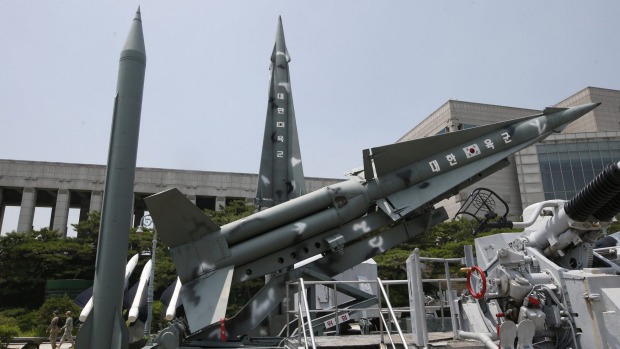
x=556 y=168
x=61 y=186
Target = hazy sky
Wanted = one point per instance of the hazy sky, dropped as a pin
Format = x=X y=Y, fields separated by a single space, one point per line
x=363 y=73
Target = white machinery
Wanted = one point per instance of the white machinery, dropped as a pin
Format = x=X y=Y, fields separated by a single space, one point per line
x=550 y=286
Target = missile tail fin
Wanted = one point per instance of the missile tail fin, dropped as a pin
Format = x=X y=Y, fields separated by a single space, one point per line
x=192 y=237
x=205 y=299
x=88 y=337
x=177 y=219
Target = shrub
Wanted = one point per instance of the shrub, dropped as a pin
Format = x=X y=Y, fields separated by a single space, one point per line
x=8 y=329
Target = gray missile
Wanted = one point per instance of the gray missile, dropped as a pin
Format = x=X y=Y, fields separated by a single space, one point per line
x=401 y=180
x=281 y=175
x=105 y=326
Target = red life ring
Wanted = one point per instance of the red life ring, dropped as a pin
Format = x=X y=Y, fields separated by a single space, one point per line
x=483 y=279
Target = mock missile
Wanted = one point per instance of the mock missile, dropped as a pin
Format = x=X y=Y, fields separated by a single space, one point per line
x=398 y=181
x=131 y=265
x=172 y=306
x=105 y=326
x=144 y=279
x=281 y=176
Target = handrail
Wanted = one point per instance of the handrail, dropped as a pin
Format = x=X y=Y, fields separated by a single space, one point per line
x=381 y=284
x=388 y=332
x=302 y=325
x=392 y=315
x=304 y=296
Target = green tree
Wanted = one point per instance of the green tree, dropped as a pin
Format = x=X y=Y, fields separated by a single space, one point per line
x=234 y=210
x=60 y=304
x=28 y=259
x=88 y=229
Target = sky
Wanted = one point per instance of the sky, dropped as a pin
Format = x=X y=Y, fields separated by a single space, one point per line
x=363 y=73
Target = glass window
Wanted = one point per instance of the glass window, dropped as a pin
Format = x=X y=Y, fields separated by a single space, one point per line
x=586 y=163
x=582 y=146
x=562 y=147
x=547 y=182
x=563 y=156
x=593 y=146
x=543 y=157
x=597 y=165
x=579 y=180
x=569 y=183
x=552 y=148
x=572 y=147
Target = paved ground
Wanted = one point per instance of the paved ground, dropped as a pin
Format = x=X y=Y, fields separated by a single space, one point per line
x=44 y=345
x=437 y=339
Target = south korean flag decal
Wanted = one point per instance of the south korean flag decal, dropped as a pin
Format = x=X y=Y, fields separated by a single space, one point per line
x=471 y=150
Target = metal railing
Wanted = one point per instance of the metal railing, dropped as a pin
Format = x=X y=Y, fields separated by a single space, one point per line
x=392 y=317
x=418 y=313
x=305 y=322
x=417 y=308
x=302 y=303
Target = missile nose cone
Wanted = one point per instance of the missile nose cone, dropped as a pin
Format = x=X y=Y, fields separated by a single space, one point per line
x=134 y=45
x=562 y=118
x=586 y=108
x=280 y=46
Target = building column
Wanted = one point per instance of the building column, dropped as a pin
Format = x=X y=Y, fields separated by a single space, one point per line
x=138 y=214
x=26 y=211
x=61 y=211
x=220 y=201
x=96 y=200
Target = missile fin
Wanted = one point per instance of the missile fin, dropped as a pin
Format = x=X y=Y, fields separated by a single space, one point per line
x=205 y=299
x=87 y=335
x=437 y=188
x=391 y=157
x=551 y=110
x=177 y=219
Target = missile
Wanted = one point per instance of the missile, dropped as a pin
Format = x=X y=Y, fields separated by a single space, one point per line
x=398 y=181
x=105 y=326
x=144 y=278
x=172 y=306
x=281 y=176
x=131 y=265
